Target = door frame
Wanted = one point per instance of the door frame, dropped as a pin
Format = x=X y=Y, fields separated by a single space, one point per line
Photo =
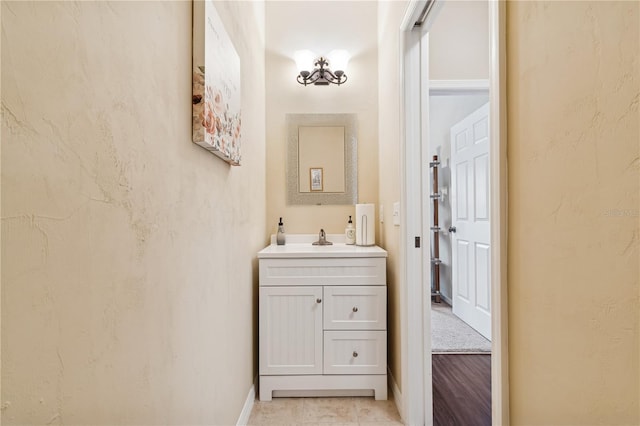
x=416 y=210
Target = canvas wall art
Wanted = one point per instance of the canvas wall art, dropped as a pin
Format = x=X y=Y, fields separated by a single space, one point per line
x=217 y=124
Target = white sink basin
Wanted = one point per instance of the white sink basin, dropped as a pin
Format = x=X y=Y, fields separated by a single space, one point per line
x=300 y=245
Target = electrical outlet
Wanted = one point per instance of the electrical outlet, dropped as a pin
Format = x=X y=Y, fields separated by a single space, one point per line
x=381 y=213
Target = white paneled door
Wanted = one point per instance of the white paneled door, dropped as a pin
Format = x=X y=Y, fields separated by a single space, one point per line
x=471 y=251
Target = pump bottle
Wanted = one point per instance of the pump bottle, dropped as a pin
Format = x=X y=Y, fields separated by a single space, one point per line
x=350 y=233
x=280 y=237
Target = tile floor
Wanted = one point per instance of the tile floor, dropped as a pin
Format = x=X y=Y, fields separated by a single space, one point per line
x=350 y=411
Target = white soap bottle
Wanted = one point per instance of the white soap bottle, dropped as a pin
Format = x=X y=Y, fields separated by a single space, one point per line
x=350 y=233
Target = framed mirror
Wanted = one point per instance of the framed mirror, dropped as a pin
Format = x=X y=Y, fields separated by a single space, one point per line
x=322 y=159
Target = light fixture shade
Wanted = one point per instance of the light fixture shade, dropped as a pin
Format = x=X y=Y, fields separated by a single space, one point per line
x=338 y=60
x=304 y=60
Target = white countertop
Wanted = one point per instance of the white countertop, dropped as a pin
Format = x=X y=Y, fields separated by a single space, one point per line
x=300 y=246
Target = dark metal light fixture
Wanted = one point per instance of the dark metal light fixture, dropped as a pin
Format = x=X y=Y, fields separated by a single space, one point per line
x=321 y=75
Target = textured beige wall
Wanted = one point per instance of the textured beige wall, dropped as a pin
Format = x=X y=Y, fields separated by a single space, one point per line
x=320 y=26
x=574 y=161
x=128 y=252
x=390 y=14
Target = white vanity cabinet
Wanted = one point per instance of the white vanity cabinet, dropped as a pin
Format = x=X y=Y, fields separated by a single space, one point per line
x=322 y=321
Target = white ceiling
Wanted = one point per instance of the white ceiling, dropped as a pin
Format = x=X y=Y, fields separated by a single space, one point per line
x=321 y=26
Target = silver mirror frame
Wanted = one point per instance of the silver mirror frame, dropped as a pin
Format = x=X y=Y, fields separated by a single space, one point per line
x=350 y=195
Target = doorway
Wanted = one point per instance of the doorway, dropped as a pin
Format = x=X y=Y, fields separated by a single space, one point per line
x=419 y=18
x=460 y=306
x=460 y=227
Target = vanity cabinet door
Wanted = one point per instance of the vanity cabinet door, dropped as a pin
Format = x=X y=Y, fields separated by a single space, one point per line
x=290 y=330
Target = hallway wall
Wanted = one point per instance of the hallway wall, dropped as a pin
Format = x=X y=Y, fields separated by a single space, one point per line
x=128 y=252
x=459 y=41
x=574 y=218
x=390 y=14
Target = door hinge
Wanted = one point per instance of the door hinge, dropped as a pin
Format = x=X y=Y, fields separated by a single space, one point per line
x=417 y=242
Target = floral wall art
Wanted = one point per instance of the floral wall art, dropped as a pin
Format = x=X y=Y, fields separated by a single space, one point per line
x=216 y=85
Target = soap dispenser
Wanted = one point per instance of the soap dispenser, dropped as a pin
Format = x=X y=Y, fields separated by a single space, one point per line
x=280 y=235
x=350 y=233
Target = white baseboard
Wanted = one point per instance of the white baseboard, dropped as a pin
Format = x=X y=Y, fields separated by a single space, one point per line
x=446 y=299
x=397 y=395
x=243 y=419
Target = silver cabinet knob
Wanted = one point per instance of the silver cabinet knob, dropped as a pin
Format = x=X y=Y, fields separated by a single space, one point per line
x=355 y=309
x=355 y=354
x=318 y=300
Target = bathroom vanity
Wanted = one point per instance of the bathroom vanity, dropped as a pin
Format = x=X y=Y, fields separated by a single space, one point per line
x=323 y=319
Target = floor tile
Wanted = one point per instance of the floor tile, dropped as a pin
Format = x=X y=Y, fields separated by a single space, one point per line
x=280 y=411
x=329 y=410
x=328 y=424
x=381 y=424
x=358 y=411
x=370 y=411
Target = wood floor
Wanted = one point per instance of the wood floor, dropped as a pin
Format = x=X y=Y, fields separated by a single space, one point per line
x=461 y=389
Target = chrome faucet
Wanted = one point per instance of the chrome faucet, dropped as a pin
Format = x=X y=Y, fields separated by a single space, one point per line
x=322 y=240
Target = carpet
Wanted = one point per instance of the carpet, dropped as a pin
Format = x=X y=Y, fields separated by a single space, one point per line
x=450 y=334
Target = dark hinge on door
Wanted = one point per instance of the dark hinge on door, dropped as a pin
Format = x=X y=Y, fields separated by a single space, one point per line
x=417 y=242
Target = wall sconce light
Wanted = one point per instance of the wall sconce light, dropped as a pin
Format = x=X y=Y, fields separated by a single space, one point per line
x=320 y=74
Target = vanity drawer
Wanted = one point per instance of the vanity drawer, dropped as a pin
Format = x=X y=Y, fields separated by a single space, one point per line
x=323 y=271
x=355 y=308
x=355 y=352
